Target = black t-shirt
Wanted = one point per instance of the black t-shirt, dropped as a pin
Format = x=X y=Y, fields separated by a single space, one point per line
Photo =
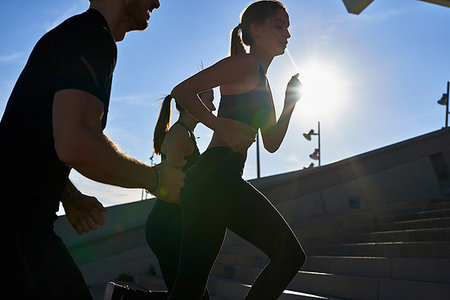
x=78 y=54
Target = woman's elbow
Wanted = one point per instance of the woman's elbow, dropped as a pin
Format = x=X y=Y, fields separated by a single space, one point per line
x=271 y=148
x=175 y=93
x=178 y=92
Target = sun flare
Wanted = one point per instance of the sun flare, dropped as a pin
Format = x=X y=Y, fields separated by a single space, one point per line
x=322 y=89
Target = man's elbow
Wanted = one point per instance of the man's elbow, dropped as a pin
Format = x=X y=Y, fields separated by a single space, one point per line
x=69 y=150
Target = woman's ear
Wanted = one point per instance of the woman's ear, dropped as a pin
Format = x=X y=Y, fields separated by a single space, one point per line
x=255 y=30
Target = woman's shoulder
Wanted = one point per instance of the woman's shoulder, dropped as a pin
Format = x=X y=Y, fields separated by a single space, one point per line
x=243 y=61
x=177 y=137
x=177 y=131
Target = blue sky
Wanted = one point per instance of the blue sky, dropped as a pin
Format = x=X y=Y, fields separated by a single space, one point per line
x=371 y=80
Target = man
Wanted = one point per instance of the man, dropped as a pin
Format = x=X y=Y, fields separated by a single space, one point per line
x=54 y=121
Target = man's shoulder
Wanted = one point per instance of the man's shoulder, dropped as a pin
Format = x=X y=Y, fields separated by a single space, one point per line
x=88 y=26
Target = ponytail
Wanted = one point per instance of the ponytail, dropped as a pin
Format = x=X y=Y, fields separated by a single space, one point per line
x=237 y=47
x=162 y=125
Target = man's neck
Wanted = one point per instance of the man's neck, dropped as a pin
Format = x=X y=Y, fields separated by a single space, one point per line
x=112 y=12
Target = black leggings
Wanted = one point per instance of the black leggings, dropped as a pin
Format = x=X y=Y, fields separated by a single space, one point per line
x=215 y=197
x=163 y=234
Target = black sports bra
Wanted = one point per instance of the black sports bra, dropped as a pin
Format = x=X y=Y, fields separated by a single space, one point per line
x=252 y=107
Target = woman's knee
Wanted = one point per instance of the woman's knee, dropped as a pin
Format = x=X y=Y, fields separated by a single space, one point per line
x=293 y=255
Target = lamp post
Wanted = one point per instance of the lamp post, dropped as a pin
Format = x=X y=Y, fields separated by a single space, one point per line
x=258 y=169
x=144 y=193
x=444 y=101
x=317 y=153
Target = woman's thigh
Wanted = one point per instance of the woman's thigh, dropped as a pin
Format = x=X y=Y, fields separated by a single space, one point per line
x=253 y=217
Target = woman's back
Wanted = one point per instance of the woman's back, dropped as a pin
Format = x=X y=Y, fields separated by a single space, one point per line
x=191 y=152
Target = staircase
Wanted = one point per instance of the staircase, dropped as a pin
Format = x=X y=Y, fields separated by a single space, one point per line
x=401 y=251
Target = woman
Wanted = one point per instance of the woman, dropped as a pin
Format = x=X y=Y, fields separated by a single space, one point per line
x=215 y=196
x=163 y=229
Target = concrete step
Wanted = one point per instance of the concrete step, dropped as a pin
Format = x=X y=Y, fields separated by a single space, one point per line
x=374 y=216
x=234 y=290
x=441 y=222
x=418 y=269
x=409 y=235
x=317 y=284
x=384 y=249
x=425 y=214
x=315 y=234
x=432 y=249
x=360 y=223
x=354 y=287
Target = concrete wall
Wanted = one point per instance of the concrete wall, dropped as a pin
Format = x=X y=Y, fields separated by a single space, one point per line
x=401 y=172
x=398 y=173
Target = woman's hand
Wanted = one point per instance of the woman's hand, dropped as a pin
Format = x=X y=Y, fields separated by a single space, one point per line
x=293 y=91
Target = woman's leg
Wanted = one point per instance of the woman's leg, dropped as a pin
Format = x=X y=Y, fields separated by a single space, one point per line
x=254 y=218
x=163 y=233
x=201 y=240
x=215 y=197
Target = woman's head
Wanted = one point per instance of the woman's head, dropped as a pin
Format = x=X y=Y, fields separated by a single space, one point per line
x=163 y=123
x=263 y=23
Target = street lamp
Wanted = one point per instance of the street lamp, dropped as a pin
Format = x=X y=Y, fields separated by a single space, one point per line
x=258 y=168
x=144 y=193
x=444 y=101
x=316 y=155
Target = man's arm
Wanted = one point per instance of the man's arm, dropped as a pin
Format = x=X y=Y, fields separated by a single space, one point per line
x=83 y=212
x=80 y=143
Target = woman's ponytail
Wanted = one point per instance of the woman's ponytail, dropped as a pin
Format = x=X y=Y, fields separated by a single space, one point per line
x=162 y=125
x=237 y=47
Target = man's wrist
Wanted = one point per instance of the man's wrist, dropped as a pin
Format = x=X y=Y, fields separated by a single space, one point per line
x=155 y=186
x=67 y=196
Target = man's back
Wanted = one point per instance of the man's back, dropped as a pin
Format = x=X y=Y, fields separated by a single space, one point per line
x=78 y=54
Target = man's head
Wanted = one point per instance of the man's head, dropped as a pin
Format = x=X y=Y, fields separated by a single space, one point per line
x=137 y=13
x=125 y=15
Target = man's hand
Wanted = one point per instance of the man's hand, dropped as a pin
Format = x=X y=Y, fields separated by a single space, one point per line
x=170 y=181
x=84 y=212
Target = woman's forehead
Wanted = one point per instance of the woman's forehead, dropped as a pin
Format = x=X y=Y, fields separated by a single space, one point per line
x=282 y=16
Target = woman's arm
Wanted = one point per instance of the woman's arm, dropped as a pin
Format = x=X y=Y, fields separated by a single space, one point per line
x=226 y=71
x=274 y=132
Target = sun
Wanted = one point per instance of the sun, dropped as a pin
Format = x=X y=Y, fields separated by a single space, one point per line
x=322 y=89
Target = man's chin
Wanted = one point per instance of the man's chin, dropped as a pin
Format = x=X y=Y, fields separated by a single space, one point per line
x=138 y=26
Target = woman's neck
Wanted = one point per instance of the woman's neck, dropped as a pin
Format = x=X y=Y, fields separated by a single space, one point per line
x=264 y=59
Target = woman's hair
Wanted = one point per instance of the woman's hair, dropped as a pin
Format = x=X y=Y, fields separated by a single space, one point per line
x=163 y=123
x=257 y=12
